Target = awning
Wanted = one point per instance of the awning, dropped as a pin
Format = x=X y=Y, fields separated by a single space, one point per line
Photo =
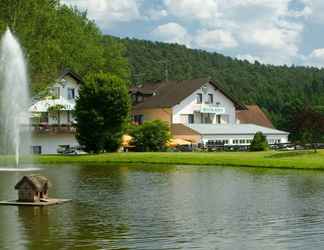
x=178 y=142
x=42 y=106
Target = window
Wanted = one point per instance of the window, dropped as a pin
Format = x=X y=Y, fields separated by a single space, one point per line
x=56 y=92
x=71 y=93
x=37 y=150
x=134 y=99
x=191 y=119
x=210 y=99
x=199 y=98
x=69 y=117
x=242 y=141
x=235 y=141
x=139 y=98
x=208 y=119
x=138 y=119
x=218 y=119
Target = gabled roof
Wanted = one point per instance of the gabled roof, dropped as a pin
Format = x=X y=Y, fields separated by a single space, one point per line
x=69 y=72
x=234 y=129
x=38 y=182
x=167 y=94
x=254 y=115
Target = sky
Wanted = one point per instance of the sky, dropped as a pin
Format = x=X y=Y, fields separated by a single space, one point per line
x=270 y=31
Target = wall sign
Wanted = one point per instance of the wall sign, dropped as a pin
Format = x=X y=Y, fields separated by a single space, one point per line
x=212 y=109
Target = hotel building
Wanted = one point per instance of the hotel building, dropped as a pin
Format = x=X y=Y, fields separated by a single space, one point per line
x=202 y=112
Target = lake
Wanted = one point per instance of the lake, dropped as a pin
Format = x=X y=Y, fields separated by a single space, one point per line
x=168 y=207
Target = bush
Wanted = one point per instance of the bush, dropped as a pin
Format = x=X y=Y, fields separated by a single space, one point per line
x=151 y=136
x=259 y=143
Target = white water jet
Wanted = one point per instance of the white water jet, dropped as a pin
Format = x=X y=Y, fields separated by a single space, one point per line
x=15 y=99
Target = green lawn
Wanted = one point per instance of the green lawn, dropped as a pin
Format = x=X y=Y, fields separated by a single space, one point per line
x=294 y=159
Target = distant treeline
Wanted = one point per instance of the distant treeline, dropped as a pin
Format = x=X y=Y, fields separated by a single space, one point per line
x=271 y=87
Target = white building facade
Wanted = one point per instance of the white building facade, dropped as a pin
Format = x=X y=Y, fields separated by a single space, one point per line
x=207 y=110
x=53 y=122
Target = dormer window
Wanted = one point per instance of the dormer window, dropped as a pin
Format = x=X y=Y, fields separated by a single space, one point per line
x=199 y=98
x=140 y=98
x=71 y=93
x=210 y=99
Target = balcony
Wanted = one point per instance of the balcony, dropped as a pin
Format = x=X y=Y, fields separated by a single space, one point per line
x=54 y=129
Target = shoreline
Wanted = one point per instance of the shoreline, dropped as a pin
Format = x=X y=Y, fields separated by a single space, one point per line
x=308 y=160
x=270 y=159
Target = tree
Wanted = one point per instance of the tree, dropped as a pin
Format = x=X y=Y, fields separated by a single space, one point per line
x=308 y=126
x=150 y=136
x=259 y=142
x=55 y=36
x=115 y=59
x=102 y=112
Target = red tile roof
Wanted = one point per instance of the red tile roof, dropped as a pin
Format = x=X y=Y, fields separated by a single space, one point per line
x=254 y=115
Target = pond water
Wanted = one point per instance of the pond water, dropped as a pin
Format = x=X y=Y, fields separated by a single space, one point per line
x=168 y=207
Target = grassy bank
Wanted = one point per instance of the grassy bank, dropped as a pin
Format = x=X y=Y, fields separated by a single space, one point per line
x=298 y=159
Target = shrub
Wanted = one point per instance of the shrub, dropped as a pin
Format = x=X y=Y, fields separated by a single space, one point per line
x=151 y=136
x=259 y=143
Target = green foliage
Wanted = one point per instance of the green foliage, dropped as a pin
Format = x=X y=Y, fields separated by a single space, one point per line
x=116 y=62
x=259 y=142
x=102 y=111
x=55 y=36
x=307 y=125
x=271 y=87
x=150 y=136
x=56 y=108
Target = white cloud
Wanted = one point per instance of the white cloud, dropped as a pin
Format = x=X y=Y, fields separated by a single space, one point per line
x=107 y=12
x=269 y=29
x=315 y=58
x=192 y=9
x=172 y=33
x=249 y=58
x=316 y=8
x=318 y=54
x=215 y=39
x=156 y=14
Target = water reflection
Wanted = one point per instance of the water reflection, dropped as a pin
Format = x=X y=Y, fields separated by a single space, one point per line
x=178 y=207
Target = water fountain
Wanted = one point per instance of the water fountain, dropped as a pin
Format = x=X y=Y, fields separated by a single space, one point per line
x=14 y=93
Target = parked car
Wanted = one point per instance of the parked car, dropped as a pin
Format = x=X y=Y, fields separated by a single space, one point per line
x=70 y=151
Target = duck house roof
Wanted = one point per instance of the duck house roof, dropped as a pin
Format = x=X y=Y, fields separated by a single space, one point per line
x=37 y=182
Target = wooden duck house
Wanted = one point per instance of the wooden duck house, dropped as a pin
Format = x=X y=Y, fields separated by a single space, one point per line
x=32 y=188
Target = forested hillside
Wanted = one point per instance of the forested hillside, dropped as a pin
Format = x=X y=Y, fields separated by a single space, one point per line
x=55 y=36
x=271 y=87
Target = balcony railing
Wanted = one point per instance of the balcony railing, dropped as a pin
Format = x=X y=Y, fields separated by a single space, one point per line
x=47 y=128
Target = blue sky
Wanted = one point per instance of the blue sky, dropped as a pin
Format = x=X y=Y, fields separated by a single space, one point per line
x=270 y=31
